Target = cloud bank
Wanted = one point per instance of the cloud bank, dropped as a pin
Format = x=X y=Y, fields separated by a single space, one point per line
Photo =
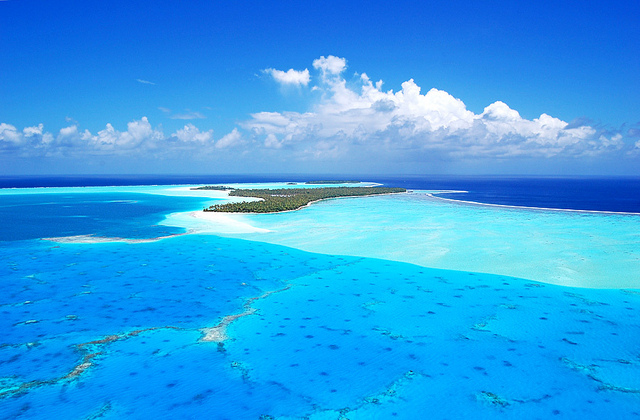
x=351 y=120
x=140 y=139
x=361 y=115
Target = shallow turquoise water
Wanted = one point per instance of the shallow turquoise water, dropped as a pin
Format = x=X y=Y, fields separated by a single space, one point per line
x=580 y=249
x=115 y=329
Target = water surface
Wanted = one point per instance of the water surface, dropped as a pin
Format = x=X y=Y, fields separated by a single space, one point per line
x=115 y=330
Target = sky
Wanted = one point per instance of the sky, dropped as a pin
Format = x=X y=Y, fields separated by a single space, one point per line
x=403 y=87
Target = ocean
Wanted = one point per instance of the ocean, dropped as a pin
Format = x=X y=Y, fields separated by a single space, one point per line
x=118 y=303
x=616 y=194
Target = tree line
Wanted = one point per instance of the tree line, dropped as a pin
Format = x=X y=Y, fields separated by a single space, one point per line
x=283 y=199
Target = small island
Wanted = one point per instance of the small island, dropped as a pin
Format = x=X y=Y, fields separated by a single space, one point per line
x=213 y=187
x=285 y=199
x=331 y=182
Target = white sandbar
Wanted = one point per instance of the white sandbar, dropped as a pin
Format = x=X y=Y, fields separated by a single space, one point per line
x=212 y=222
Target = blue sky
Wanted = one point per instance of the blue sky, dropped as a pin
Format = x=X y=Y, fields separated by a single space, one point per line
x=247 y=86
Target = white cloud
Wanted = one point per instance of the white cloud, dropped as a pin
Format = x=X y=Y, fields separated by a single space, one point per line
x=68 y=132
x=234 y=138
x=69 y=141
x=139 y=137
x=272 y=142
x=330 y=65
x=139 y=131
x=144 y=82
x=291 y=77
x=9 y=133
x=355 y=120
x=191 y=133
x=188 y=116
x=408 y=120
x=33 y=131
x=107 y=138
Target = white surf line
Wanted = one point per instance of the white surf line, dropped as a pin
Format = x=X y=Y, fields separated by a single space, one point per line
x=523 y=207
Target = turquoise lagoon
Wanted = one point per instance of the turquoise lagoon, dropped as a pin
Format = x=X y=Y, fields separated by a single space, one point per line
x=402 y=306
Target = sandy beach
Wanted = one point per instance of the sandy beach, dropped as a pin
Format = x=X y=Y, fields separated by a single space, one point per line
x=213 y=222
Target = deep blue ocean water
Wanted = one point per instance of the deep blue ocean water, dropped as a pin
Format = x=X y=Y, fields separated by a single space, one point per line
x=579 y=193
x=130 y=215
x=114 y=330
x=599 y=194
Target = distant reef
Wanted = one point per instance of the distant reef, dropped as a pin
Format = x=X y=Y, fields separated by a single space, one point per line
x=331 y=182
x=213 y=187
x=285 y=199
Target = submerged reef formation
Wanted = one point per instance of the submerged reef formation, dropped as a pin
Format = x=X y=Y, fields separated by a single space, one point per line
x=90 y=350
x=285 y=199
x=218 y=334
x=92 y=239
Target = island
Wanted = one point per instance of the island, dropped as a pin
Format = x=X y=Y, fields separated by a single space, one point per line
x=285 y=199
x=213 y=187
x=331 y=182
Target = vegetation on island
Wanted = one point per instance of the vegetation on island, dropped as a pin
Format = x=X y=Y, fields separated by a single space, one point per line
x=331 y=182
x=284 y=199
x=213 y=187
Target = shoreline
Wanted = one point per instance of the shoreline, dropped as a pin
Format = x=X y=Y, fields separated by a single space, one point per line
x=302 y=207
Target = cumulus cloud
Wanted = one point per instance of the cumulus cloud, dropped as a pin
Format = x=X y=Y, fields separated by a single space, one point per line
x=139 y=139
x=290 y=77
x=330 y=65
x=350 y=119
x=139 y=135
x=191 y=133
x=234 y=138
x=9 y=135
x=272 y=142
x=33 y=131
x=367 y=117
